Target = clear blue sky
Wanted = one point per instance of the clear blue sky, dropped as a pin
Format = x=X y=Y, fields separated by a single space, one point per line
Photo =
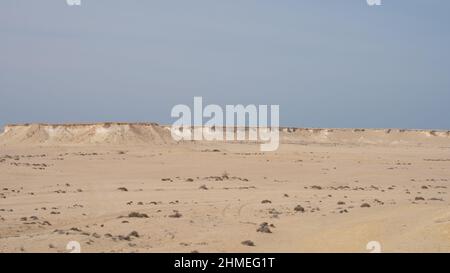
x=335 y=63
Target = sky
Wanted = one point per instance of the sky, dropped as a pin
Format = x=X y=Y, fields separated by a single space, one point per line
x=327 y=63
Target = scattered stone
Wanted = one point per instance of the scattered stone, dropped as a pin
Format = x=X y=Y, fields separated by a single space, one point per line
x=137 y=215
x=264 y=228
x=134 y=234
x=299 y=208
x=128 y=237
x=274 y=213
x=248 y=243
x=124 y=238
x=176 y=214
x=378 y=201
x=46 y=223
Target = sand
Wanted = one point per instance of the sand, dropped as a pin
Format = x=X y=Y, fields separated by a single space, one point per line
x=130 y=188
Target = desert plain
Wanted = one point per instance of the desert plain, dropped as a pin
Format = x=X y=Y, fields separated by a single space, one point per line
x=131 y=188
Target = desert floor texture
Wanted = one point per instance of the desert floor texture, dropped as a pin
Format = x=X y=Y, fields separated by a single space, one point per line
x=323 y=190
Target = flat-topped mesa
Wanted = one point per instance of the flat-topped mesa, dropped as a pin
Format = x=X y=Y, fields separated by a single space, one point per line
x=105 y=124
x=123 y=133
x=366 y=136
x=85 y=133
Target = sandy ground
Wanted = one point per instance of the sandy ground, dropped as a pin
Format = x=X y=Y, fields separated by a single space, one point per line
x=211 y=197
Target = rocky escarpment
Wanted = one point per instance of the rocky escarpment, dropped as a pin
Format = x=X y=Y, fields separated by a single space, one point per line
x=113 y=133
x=96 y=133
